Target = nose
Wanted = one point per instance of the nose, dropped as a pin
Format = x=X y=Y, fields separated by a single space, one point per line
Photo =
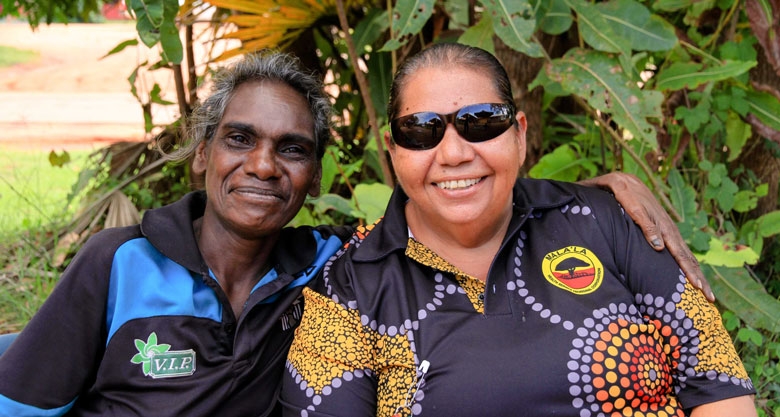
x=262 y=163
x=453 y=149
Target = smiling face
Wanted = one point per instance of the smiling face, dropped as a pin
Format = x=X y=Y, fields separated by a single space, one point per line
x=458 y=185
x=261 y=162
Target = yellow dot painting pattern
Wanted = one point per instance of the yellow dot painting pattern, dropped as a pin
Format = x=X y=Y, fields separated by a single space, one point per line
x=473 y=287
x=347 y=349
x=721 y=357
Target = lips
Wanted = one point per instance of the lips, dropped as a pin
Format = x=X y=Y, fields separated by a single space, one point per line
x=458 y=184
x=255 y=192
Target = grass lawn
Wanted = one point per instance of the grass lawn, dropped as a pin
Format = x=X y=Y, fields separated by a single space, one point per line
x=33 y=194
x=32 y=191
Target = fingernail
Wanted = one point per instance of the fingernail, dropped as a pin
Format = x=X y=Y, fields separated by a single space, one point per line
x=656 y=242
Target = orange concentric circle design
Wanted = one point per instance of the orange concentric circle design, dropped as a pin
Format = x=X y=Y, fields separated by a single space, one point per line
x=626 y=368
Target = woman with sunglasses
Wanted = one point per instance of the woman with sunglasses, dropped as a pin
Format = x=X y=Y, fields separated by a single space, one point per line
x=480 y=294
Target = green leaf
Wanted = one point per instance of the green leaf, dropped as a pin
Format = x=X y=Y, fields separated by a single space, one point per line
x=553 y=16
x=329 y=168
x=121 y=47
x=480 y=35
x=563 y=164
x=304 y=217
x=630 y=20
x=720 y=255
x=745 y=201
x=690 y=75
x=409 y=17
x=598 y=78
x=369 y=29
x=335 y=202
x=380 y=77
x=673 y=5
x=552 y=89
x=59 y=160
x=155 y=96
x=724 y=194
x=739 y=292
x=694 y=118
x=737 y=134
x=149 y=19
x=596 y=31
x=372 y=199
x=765 y=107
x=139 y=358
x=769 y=224
x=171 y=43
x=683 y=196
x=747 y=334
x=514 y=22
x=147 y=367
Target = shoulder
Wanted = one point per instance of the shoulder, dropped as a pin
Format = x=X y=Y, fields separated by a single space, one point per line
x=341 y=232
x=547 y=194
x=105 y=243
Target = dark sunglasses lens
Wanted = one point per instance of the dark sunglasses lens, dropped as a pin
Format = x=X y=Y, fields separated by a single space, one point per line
x=481 y=122
x=418 y=131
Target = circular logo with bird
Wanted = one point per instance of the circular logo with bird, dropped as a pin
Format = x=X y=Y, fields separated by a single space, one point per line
x=574 y=269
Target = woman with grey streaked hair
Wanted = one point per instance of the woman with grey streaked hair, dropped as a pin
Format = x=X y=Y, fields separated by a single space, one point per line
x=191 y=312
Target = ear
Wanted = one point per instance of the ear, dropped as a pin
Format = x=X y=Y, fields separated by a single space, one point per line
x=522 y=126
x=389 y=144
x=314 y=189
x=200 y=160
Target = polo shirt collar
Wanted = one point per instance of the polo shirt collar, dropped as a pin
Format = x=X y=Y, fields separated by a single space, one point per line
x=391 y=234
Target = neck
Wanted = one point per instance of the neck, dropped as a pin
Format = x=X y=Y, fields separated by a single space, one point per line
x=237 y=262
x=470 y=247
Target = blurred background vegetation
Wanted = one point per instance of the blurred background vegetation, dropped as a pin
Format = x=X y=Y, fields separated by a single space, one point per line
x=683 y=93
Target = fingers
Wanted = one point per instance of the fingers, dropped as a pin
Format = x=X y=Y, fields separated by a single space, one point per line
x=688 y=262
x=659 y=229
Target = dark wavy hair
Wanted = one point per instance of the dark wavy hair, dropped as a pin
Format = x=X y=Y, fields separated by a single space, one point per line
x=449 y=55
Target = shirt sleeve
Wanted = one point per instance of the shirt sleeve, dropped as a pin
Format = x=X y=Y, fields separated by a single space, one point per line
x=329 y=366
x=56 y=356
x=700 y=350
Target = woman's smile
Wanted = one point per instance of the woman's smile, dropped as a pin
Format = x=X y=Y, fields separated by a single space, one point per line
x=458 y=184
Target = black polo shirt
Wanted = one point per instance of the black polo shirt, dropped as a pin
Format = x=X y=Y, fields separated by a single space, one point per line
x=578 y=317
x=139 y=326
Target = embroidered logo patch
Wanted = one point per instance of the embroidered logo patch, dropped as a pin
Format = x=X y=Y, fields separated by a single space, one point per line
x=158 y=361
x=574 y=269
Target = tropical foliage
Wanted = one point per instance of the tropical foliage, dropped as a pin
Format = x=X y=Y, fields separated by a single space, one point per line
x=683 y=93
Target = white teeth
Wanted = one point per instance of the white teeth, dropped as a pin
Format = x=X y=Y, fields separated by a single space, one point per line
x=455 y=184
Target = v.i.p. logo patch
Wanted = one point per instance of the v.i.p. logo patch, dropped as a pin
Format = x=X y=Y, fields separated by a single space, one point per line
x=574 y=269
x=158 y=361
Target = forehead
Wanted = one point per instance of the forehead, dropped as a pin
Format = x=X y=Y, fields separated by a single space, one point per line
x=446 y=89
x=270 y=106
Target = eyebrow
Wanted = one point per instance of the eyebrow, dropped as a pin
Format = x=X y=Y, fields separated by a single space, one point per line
x=250 y=129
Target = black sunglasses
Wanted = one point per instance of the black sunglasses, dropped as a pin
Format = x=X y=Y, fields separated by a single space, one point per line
x=475 y=123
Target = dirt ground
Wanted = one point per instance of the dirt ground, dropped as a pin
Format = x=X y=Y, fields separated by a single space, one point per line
x=72 y=96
